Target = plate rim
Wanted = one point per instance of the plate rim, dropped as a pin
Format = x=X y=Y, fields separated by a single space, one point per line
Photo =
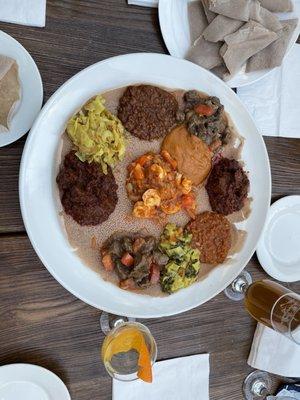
x=25 y=154
x=37 y=369
x=261 y=251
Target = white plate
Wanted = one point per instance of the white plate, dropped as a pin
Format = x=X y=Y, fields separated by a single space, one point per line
x=278 y=249
x=30 y=382
x=37 y=182
x=31 y=90
x=174 y=25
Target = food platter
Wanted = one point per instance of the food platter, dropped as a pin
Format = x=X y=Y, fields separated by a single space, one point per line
x=38 y=190
x=174 y=25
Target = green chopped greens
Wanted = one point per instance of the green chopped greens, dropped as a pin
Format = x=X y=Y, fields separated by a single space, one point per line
x=183 y=266
x=97 y=134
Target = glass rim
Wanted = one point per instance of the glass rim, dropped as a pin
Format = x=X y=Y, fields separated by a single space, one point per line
x=153 y=353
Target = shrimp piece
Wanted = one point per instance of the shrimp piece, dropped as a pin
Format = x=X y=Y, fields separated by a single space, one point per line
x=151 y=198
x=171 y=208
x=186 y=185
x=158 y=171
x=140 y=210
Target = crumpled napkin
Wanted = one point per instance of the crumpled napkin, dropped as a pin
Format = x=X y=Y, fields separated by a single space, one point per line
x=274 y=100
x=289 y=392
x=145 y=3
x=23 y=12
x=184 y=378
x=274 y=353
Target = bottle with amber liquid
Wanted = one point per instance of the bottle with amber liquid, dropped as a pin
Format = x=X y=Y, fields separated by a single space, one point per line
x=275 y=306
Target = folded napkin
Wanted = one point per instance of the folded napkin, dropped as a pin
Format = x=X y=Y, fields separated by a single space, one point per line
x=145 y=3
x=23 y=12
x=274 y=353
x=184 y=378
x=274 y=100
x=289 y=392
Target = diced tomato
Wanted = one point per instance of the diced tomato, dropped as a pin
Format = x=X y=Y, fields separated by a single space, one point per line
x=154 y=273
x=188 y=201
x=127 y=260
x=138 y=172
x=107 y=262
x=127 y=284
x=167 y=157
x=204 y=109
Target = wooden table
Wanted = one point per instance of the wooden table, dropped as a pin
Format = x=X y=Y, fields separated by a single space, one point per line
x=40 y=321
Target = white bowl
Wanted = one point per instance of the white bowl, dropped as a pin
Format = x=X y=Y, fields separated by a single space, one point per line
x=37 y=182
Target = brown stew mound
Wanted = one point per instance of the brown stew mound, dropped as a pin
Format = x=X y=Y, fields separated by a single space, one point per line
x=211 y=236
x=135 y=258
x=86 y=193
x=147 y=112
x=204 y=118
x=227 y=187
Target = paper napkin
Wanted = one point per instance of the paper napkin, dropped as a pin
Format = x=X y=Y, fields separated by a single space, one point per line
x=23 y=12
x=274 y=100
x=184 y=378
x=145 y=3
x=274 y=353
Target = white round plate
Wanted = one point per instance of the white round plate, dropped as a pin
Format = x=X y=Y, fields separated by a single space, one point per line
x=38 y=173
x=278 y=249
x=174 y=25
x=30 y=382
x=31 y=90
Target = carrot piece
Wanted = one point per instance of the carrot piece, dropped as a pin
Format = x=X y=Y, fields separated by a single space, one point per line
x=127 y=260
x=204 y=109
x=167 y=157
x=138 y=172
x=144 y=159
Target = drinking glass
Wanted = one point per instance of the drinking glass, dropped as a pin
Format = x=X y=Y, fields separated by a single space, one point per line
x=257 y=385
x=269 y=303
x=126 y=347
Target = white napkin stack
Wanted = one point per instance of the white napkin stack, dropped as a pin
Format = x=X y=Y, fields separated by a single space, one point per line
x=23 y=12
x=274 y=353
x=185 y=378
x=274 y=100
x=145 y=3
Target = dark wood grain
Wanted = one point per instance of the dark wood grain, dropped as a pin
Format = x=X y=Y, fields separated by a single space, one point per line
x=40 y=322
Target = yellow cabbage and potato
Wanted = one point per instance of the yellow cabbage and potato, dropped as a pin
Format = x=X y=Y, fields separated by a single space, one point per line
x=97 y=134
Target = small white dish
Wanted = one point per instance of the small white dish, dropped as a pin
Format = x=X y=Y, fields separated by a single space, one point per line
x=174 y=25
x=31 y=90
x=278 y=250
x=30 y=382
